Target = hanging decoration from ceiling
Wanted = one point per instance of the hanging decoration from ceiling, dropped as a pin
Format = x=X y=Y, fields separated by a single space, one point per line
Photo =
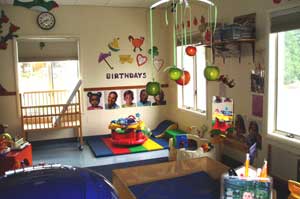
x=10 y=34
x=211 y=73
x=141 y=59
x=181 y=76
x=114 y=45
x=37 y=5
x=158 y=63
x=136 y=42
x=103 y=57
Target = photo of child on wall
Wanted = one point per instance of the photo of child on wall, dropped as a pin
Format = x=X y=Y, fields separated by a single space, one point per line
x=112 y=99
x=143 y=98
x=95 y=100
x=129 y=97
x=159 y=99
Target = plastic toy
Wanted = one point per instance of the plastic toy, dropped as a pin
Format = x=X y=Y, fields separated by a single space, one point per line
x=211 y=73
x=5 y=143
x=56 y=181
x=128 y=131
x=191 y=50
x=162 y=127
x=153 y=88
x=184 y=79
x=175 y=73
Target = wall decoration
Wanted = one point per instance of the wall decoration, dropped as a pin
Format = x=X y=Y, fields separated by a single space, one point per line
x=155 y=51
x=153 y=88
x=125 y=58
x=257 y=105
x=257 y=80
x=2 y=89
x=137 y=75
x=276 y=1
x=141 y=59
x=95 y=100
x=129 y=98
x=38 y=5
x=254 y=133
x=114 y=45
x=222 y=114
x=143 y=98
x=10 y=35
x=228 y=82
x=159 y=99
x=103 y=56
x=3 y=19
x=195 y=21
x=158 y=63
x=112 y=99
x=136 y=42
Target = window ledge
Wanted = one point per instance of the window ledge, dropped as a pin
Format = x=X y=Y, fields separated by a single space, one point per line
x=289 y=144
x=192 y=111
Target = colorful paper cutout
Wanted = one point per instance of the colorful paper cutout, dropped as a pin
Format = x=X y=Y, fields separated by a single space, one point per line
x=257 y=105
x=103 y=56
x=10 y=35
x=141 y=59
x=125 y=58
x=136 y=42
x=38 y=5
x=158 y=63
x=114 y=45
x=155 y=51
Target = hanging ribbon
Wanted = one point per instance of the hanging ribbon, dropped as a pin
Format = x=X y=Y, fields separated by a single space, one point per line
x=151 y=42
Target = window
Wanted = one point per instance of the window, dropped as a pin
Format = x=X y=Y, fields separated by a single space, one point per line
x=43 y=76
x=47 y=64
x=193 y=95
x=284 y=73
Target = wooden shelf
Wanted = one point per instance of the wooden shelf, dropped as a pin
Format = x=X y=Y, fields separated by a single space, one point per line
x=237 y=42
x=7 y=93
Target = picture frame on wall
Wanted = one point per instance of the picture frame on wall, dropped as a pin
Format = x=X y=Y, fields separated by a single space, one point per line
x=128 y=98
x=112 y=99
x=143 y=99
x=95 y=100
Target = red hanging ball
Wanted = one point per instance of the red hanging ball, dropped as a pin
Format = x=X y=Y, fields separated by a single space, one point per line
x=184 y=79
x=195 y=21
x=191 y=50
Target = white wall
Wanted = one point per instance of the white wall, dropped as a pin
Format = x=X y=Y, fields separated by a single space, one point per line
x=95 y=27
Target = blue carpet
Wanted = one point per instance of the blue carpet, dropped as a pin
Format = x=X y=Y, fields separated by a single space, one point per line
x=106 y=170
x=193 y=186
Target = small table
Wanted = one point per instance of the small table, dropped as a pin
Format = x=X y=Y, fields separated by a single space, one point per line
x=16 y=159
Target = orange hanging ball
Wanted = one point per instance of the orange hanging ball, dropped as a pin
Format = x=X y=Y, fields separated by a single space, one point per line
x=191 y=50
x=184 y=79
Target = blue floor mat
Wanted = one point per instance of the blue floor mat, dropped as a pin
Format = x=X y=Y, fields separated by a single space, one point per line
x=98 y=147
x=194 y=186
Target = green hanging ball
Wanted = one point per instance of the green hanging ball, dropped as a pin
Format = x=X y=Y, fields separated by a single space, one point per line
x=153 y=88
x=211 y=73
x=175 y=73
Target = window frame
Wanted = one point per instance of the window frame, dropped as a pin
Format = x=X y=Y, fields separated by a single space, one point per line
x=272 y=56
x=194 y=79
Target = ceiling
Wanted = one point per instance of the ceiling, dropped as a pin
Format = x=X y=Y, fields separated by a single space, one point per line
x=110 y=3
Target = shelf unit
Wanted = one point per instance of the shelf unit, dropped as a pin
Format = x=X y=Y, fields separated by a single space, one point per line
x=237 y=42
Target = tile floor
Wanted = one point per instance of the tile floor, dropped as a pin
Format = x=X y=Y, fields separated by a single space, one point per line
x=67 y=153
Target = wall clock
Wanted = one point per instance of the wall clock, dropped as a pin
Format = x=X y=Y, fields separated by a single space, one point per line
x=46 y=20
